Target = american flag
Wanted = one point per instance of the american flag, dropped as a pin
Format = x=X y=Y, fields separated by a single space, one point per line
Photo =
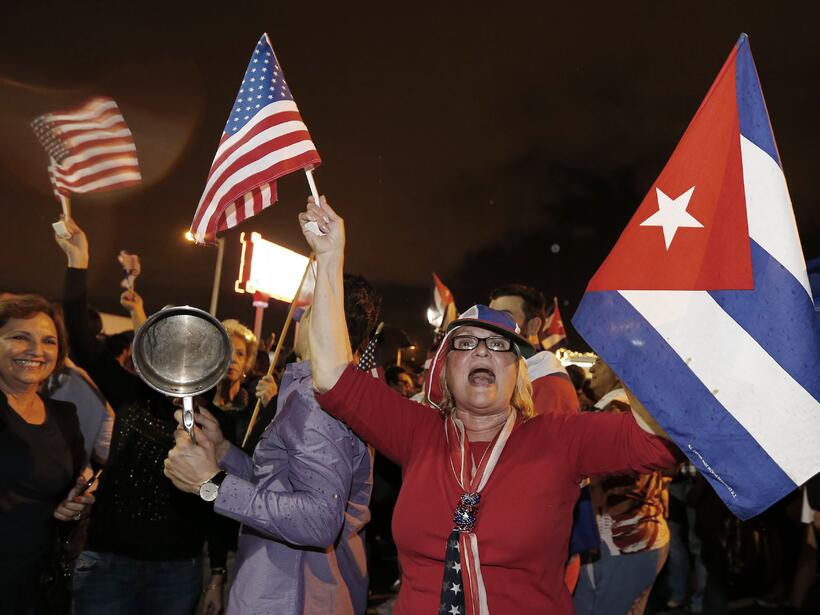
x=264 y=139
x=90 y=148
x=367 y=362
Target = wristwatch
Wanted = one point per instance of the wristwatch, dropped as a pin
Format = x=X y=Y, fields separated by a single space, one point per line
x=210 y=488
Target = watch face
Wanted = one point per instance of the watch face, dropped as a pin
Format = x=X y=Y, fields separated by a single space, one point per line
x=208 y=491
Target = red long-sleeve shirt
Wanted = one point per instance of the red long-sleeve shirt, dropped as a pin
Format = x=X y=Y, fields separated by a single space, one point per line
x=526 y=507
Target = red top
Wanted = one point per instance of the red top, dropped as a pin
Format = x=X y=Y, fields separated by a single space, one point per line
x=526 y=507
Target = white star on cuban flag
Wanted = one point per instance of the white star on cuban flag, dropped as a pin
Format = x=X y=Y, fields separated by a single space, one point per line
x=672 y=215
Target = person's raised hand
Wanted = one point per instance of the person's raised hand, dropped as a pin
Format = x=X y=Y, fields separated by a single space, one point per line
x=131 y=301
x=333 y=241
x=266 y=389
x=75 y=245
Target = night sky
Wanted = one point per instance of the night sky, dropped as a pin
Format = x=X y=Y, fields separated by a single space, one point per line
x=488 y=142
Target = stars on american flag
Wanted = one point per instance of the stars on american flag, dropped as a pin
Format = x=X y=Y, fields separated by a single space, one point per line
x=452 y=592
x=367 y=362
x=267 y=76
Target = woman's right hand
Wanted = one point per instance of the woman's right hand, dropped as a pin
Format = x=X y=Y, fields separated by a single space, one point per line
x=208 y=429
x=75 y=246
x=333 y=227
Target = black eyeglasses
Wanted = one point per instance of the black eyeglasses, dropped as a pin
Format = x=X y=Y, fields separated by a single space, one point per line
x=496 y=343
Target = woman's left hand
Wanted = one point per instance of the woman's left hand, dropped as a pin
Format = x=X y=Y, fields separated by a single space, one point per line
x=266 y=389
x=75 y=506
x=188 y=464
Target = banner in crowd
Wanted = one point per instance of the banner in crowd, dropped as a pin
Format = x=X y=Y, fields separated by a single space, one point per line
x=442 y=308
x=554 y=333
x=264 y=139
x=90 y=148
x=704 y=309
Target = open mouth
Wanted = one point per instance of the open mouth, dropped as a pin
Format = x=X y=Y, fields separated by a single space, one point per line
x=481 y=376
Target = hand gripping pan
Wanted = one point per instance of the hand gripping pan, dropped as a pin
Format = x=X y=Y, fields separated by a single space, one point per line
x=182 y=351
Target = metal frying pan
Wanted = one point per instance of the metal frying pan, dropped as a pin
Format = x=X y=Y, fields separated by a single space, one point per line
x=182 y=351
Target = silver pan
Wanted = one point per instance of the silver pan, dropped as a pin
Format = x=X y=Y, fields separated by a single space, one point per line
x=182 y=352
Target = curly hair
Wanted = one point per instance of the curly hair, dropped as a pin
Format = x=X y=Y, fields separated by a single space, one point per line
x=238 y=330
x=362 y=306
x=28 y=306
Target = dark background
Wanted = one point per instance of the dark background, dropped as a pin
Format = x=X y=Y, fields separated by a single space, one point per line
x=488 y=142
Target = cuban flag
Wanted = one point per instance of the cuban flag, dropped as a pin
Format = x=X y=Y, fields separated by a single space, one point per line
x=704 y=308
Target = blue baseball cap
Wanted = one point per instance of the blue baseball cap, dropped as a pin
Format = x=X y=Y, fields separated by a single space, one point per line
x=496 y=321
x=477 y=316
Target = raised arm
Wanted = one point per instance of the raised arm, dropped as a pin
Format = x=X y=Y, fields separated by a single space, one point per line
x=329 y=343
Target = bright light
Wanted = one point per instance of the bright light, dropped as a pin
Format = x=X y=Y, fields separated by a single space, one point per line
x=269 y=268
x=434 y=317
x=189 y=236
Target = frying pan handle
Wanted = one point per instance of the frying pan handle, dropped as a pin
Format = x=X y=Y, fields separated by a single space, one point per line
x=188 y=416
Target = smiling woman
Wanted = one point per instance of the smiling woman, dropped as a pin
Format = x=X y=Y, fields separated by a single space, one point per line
x=41 y=448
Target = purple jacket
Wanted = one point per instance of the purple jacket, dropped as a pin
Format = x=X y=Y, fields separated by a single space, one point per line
x=303 y=502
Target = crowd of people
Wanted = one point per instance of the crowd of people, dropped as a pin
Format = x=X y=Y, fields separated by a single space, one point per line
x=504 y=482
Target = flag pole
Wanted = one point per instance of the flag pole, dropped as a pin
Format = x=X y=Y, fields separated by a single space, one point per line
x=279 y=343
x=220 y=253
x=312 y=183
x=66 y=203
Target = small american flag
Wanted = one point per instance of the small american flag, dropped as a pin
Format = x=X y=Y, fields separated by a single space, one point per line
x=367 y=362
x=90 y=148
x=264 y=139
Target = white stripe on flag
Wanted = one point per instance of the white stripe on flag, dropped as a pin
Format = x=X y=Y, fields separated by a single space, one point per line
x=285 y=153
x=266 y=197
x=102 y=183
x=230 y=216
x=100 y=135
x=263 y=137
x=769 y=210
x=95 y=110
x=280 y=106
x=97 y=125
x=98 y=151
x=123 y=161
x=780 y=414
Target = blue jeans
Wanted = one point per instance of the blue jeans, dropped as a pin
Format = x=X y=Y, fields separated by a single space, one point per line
x=618 y=584
x=109 y=584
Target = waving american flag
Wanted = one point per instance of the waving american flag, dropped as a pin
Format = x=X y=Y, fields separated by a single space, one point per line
x=264 y=139
x=90 y=148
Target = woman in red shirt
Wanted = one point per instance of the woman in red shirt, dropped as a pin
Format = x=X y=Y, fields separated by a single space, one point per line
x=483 y=517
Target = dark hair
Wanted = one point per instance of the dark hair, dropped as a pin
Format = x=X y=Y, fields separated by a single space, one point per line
x=577 y=375
x=262 y=363
x=534 y=303
x=392 y=373
x=95 y=323
x=118 y=342
x=28 y=306
x=362 y=306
